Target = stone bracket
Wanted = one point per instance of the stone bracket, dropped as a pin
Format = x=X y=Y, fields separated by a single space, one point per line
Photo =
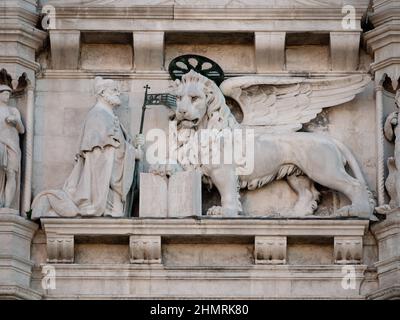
x=344 y=50
x=65 y=49
x=270 y=51
x=145 y=249
x=348 y=250
x=148 y=50
x=60 y=248
x=270 y=250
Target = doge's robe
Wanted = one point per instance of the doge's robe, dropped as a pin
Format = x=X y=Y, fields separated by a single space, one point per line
x=102 y=176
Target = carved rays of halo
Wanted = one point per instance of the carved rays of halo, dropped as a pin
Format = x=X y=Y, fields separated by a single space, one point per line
x=276 y=105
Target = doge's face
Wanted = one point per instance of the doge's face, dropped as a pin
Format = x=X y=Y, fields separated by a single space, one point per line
x=112 y=96
x=191 y=105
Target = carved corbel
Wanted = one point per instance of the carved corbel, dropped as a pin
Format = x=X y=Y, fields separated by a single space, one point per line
x=145 y=249
x=270 y=250
x=60 y=249
x=348 y=250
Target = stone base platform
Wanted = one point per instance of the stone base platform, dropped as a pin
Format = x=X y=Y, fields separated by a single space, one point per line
x=16 y=234
x=204 y=257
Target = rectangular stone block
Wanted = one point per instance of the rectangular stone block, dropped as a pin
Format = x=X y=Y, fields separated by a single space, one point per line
x=145 y=249
x=184 y=194
x=153 y=199
x=60 y=248
x=344 y=50
x=348 y=250
x=270 y=250
x=65 y=49
x=270 y=51
x=148 y=50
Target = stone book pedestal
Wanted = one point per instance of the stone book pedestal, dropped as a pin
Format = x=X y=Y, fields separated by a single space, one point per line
x=178 y=196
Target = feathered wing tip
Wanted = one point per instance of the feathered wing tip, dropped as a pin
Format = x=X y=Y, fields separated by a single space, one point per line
x=22 y=83
x=5 y=78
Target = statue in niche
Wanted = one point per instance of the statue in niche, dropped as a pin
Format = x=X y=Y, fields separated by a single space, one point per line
x=103 y=172
x=11 y=127
x=275 y=108
x=392 y=134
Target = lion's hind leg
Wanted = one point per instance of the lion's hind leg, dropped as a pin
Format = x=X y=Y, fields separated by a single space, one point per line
x=308 y=196
x=355 y=190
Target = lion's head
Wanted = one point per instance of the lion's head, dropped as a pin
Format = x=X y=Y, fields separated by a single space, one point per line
x=201 y=104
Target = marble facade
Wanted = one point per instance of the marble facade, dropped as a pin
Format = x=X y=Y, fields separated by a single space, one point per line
x=343 y=54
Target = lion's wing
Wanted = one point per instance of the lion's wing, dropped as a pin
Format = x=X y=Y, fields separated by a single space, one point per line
x=284 y=105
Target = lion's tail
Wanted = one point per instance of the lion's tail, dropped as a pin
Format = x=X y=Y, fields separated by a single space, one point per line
x=351 y=160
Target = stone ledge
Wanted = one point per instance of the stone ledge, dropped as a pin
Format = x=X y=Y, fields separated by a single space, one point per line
x=155 y=281
x=18 y=293
x=386 y=294
x=206 y=226
x=164 y=75
x=147 y=234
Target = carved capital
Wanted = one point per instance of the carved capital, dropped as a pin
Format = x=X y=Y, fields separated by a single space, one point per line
x=348 y=250
x=270 y=250
x=60 y=249
x=145 y=249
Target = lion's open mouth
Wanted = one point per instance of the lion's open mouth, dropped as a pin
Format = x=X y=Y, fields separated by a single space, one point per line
x=190 y=123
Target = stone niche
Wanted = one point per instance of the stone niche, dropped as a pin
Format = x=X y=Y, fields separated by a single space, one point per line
x=234 y=52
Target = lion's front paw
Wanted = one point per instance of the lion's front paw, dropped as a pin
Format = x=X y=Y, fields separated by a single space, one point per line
x=347 y=211
x=221 y=211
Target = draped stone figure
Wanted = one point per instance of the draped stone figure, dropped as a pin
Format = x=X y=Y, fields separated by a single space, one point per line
x=392 y=133
x=10 y=153
x=104 y=167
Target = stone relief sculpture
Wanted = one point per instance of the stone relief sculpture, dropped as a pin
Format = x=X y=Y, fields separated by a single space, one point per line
x=104 y=167
x=276 y=109
x=11 y=127
x=392 y=134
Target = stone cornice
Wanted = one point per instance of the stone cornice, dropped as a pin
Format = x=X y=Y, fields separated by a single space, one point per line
x=205 y=226
x=382 y=36
x=262 y=13
x=17 y=14
x=35 y=66
x=10 y=291
x=164 y=75
x=273 y=10
x=386 y=293
x=28 y=36
x=321 y=18
x=203 y=12
x=388 y=227
x=18 y=21
x=384 y=64
x=18 y=225
x=385 y=11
